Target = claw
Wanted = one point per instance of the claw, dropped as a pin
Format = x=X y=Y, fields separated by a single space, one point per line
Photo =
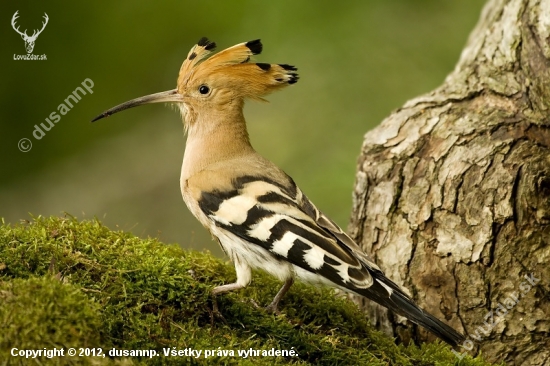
x=274 y=306
x=273 y=309
x=215 y=313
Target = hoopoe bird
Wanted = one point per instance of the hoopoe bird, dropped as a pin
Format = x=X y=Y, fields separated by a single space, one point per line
x=255 y=210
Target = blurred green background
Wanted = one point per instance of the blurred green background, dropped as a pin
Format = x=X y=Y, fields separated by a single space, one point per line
x=358 y=60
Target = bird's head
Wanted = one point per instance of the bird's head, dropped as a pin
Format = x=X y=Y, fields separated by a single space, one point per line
x=218 y=83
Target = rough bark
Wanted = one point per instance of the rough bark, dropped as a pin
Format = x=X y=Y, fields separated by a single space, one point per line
x=452 y=193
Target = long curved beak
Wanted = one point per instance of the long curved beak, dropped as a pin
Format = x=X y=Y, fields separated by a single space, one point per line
x=162 y=97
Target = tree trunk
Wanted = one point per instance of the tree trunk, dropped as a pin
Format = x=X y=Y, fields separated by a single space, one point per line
x=452 y=194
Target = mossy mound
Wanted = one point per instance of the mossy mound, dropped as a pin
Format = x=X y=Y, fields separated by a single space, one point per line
x=65 y=283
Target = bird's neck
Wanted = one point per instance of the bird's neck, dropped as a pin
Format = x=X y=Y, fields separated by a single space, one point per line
x=213 y=137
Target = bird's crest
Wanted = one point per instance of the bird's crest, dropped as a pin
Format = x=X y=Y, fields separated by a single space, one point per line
x=197 y=54
x=232 y=69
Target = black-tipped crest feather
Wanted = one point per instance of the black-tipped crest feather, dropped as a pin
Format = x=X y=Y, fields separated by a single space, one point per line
x=206 y=43
x=255 y=46
x=288 y=67
x=263 y=66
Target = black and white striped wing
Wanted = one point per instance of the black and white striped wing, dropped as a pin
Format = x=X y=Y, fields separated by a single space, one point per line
x=280 y=219
x=283 y=221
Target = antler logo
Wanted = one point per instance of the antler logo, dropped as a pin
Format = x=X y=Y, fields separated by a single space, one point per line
x=29 y=41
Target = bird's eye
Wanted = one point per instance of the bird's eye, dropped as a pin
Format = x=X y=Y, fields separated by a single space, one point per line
x=203 y=89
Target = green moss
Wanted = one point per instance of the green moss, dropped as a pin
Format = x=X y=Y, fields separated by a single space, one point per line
x=44 y=312
x=65 y=283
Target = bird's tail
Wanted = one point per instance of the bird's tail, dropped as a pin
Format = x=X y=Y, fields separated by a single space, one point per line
x=403 y=305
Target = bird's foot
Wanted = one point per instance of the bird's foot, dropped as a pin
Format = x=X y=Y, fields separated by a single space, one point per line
x=273 y=308
x=215 y=313
x=255 y=304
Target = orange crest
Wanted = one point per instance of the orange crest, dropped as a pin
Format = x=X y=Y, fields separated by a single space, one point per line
x=232 y=70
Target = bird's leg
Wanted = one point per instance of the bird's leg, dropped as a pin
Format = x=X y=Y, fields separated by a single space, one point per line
x=220 y=290
x=273 y=307
x=244 y=275
x=226 y=288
